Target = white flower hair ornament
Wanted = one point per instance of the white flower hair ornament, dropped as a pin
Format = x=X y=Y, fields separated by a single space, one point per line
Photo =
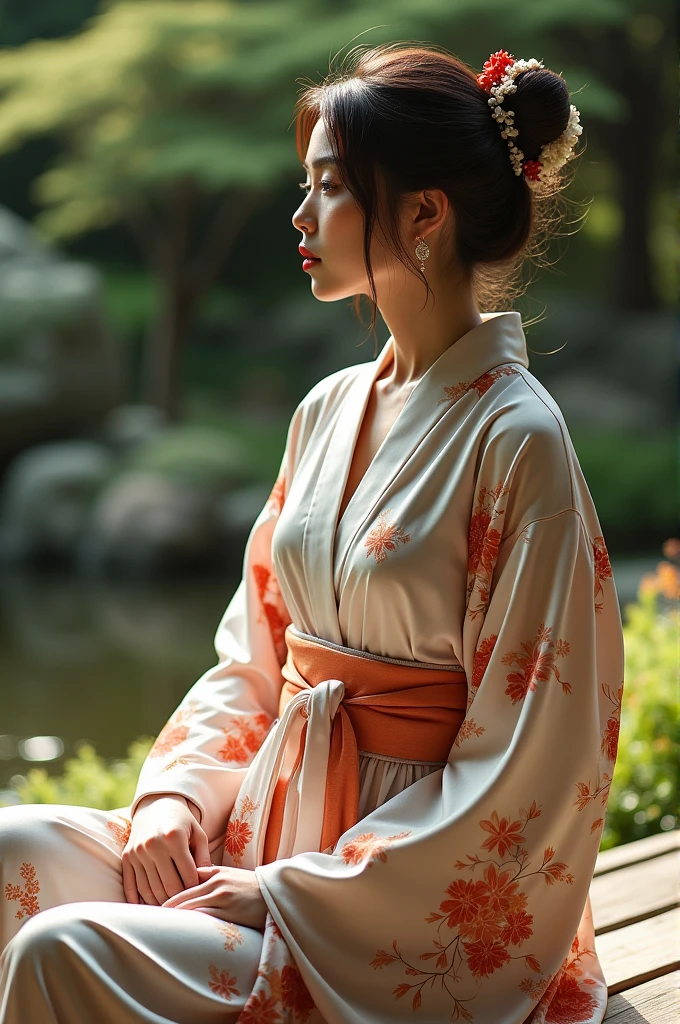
x=498 y=79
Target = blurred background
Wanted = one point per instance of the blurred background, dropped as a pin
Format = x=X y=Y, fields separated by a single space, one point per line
x=156 y=333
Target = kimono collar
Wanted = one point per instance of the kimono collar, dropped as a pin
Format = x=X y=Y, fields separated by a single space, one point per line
x=498 y=339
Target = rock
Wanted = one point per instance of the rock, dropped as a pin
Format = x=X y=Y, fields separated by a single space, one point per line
x=143 y=523
x=46 y=497
x=127 y=426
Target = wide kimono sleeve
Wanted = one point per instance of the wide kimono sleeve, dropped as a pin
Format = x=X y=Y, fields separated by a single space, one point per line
x=461 y=897
x=204 y=749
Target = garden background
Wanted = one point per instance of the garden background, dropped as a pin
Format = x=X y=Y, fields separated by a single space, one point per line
x=156 y=333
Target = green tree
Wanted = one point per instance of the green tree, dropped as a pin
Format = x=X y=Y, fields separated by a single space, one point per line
x=173 y=119
x=622 y=54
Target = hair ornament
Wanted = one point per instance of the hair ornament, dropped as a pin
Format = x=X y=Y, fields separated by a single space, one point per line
x=498 y=79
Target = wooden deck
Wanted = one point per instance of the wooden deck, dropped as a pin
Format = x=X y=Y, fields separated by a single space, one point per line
x=635 y=895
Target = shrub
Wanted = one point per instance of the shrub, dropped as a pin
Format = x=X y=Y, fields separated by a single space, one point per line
x=644 y=794
x=88 y=779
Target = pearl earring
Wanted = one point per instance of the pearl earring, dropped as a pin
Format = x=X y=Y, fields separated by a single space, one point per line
x=422 y=252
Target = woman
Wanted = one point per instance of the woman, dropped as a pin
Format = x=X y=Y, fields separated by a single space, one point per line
x=386 y=799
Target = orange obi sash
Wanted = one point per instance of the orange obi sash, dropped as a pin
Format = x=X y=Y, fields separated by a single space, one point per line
x=400 y=709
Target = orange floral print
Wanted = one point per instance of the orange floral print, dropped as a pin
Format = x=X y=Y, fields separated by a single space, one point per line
x=586 y=795
x=484 y=542
x=276 y=499
x=596 y=824
x=384 y=537
x=603 y=569
x=244 y=737
x=260 y=1009
x=368 y=846
x=233 y=936
x=173 y=764
x=279 y=994
x=468 y=728
x=480 y=664
x=481 y=384
x=222 y=983
x=174 y=732
x=28 y=897
x=121 y=832
x=564 y=999
x=536 y=663
x=273 y=607
x=487 y=916
x=610 y=739
x=504 y=834
x=239 y=833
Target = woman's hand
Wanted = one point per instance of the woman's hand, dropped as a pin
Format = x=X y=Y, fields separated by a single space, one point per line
x=165 y=849
x=232 y=894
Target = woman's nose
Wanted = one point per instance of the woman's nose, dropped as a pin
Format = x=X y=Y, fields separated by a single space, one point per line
x=302 y=219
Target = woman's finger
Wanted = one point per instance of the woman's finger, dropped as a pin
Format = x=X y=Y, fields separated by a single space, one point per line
x=194 y=904
x=129 y=881
x=142 y=882
x=154 y=879
x=186 y=867
x=202 y=891
x=170 y=879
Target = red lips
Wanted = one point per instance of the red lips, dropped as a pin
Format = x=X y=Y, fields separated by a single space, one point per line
x=307 y=253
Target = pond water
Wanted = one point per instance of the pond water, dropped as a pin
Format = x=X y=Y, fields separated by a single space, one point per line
x=107 y=661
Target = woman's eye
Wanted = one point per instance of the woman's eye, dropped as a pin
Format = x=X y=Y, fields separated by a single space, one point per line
x=330 y=186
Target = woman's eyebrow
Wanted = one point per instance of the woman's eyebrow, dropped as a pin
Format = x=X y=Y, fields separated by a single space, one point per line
x=321 y=161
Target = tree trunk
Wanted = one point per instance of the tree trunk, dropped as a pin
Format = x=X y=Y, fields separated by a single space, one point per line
x=633 y=146
x=181 y=281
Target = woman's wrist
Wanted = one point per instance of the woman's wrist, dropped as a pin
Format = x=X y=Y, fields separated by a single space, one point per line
x=152 y=797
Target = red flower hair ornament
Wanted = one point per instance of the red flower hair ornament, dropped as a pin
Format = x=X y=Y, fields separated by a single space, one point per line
x=498 y=79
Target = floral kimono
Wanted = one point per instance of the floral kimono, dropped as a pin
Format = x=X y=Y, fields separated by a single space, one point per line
x=456 y=888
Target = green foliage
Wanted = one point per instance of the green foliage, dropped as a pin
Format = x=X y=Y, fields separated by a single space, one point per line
x=644 y=795
x=198 y=456
x=636 y=503
x=88 y=779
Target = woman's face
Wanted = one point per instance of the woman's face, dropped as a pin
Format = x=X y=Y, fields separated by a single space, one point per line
x=332 y=224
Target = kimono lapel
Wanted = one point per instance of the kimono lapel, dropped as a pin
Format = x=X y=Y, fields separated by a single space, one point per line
x=498 y=340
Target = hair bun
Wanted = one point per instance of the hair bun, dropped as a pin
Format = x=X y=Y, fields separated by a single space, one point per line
x=541 y=106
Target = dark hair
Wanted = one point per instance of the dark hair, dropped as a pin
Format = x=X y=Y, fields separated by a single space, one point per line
x=402 y=117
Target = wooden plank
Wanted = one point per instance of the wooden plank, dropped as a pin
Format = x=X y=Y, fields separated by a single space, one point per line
x=639 y=952
x=634 y=853
x=632 y=893
x=655 y=1002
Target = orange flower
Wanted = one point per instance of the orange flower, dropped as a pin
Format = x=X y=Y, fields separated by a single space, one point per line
x=501 y=892
x=464 y=904
x=570 y=1003
x=610 y=739
x=222 y=983
x=504 y=834
x=273 y=606
x=294 y=992
x=238 y=835
x=481 y=660
x=483 y=958
x=384 y=537
x=603 y=569
x=121 y=832
x=517 y=929
x=368 y=845
x=260 y=1009
x=536 y=662
x=276 y=498
x=233 y=936
x=28 y=898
